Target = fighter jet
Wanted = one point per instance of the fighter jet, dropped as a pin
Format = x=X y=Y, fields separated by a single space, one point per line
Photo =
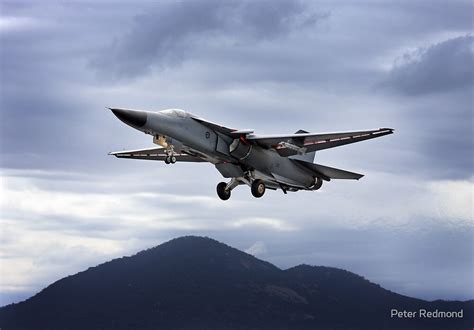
x=260 y=161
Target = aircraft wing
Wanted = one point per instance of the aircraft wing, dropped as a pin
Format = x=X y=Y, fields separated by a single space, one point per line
x=154 y=154
x=303 y=142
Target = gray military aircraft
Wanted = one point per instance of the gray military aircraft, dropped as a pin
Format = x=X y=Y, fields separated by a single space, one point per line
x=260 y=161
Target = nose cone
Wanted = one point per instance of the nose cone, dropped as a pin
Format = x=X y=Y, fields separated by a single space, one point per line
x=134 y=118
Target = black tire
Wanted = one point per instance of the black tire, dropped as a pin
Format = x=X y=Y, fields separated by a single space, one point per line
x=318 y=182
x=167 y=160
x=258 y=188
x=173 y=159
x=222 y=192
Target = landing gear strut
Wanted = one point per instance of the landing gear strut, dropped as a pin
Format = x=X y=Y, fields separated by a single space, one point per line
x=258 y=188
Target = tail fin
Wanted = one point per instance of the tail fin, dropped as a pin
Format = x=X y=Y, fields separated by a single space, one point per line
x=301 y=131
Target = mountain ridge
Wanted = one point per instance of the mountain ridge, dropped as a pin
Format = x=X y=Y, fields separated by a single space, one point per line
x=198 y=282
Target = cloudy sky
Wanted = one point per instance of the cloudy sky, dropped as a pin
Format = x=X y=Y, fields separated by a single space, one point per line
x=275 y=66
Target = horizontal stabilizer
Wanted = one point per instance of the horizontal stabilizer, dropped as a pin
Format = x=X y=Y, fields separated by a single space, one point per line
x=327 y=172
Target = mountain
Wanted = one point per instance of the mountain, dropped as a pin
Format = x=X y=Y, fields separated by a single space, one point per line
x=199 y=283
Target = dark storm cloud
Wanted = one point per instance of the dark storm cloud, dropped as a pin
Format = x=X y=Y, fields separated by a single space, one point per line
x=168 y=34
x=442 y=67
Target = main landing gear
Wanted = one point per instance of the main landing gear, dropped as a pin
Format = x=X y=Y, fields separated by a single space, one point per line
x=258 y=188
x=224 y=189
x=318 y=182
x=222 y=192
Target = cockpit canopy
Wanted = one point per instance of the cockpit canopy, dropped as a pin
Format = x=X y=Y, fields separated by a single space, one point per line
x=175 y=113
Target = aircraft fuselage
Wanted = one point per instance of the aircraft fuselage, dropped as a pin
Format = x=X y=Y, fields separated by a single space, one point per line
x=187 y=134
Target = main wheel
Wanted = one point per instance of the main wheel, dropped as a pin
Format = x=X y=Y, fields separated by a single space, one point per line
x=258 y=188
x=223 y=193
x=318 y=182
x=167 y=160
x=173 y=159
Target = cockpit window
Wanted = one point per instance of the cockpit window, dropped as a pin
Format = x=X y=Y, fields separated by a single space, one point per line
x=175 y=112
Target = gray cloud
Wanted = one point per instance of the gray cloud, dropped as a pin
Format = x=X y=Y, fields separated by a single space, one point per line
x=433 y=87
x=168 y=34
x=442 y=67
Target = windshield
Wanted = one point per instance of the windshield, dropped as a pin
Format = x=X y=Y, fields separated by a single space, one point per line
x=175 y=112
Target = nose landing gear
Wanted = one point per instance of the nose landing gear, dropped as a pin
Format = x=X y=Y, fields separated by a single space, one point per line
x=170 y=158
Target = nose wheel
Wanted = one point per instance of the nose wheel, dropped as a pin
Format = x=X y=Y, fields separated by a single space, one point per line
x=170 y=158
x=258 y=188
